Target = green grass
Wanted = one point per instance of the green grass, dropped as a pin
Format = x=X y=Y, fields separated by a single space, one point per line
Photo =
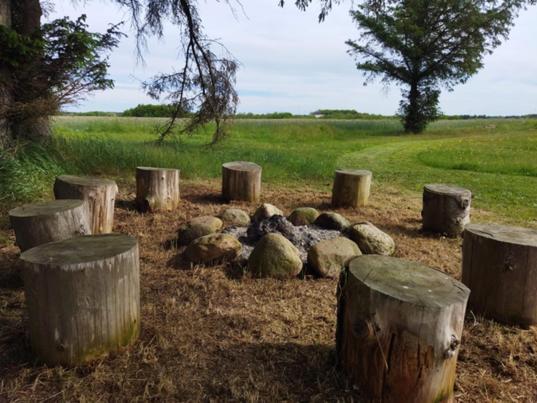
x=496 y=159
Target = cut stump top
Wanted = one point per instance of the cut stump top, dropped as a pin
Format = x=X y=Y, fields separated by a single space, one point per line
x=156 y=169
x=443 y=189
x=242 y=166
x=407 y=281
x=85 y=180
x=356 y=172
x=44 y=209
x=505 y=233
x=82 y=249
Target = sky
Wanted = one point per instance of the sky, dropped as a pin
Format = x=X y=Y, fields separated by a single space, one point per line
x=291 y=63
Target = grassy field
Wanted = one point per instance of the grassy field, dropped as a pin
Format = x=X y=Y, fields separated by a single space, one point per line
x=496 y=159
x=218 y=334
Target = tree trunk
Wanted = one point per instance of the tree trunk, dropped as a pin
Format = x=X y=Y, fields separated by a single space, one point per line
x=24 y=122
x=412 y=116
x=100 y=195
x=83 y=297
x=499 y=265
x=5 y=97
x=351 y=188
x=446 y=209
x=241 y=181
x=157 y=189
x=39 y=223
x=399 y=326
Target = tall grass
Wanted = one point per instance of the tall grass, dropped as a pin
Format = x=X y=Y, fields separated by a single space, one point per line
x=494 y=158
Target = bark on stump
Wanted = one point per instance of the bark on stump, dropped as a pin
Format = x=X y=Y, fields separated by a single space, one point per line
x=157 y=189
x=55 y=220
x=446 y=209
x=83 y=297
x=99 y=193
x=399 y=326
x=499 y=265
x=241 y=181
x=351 y=188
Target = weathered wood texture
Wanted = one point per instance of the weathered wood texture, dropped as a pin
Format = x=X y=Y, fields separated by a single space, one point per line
x=83 y=297
x=99 y=193
x=157 y=189
x=399 y=326
x=446 y=209
x=39 y=223
x=351 y=188
x=499 y=265
x=241 y=181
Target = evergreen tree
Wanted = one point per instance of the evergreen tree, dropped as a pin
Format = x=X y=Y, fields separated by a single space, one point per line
x=424 y=45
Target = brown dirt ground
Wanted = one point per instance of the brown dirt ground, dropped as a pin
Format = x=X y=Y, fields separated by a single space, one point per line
x=212 y=334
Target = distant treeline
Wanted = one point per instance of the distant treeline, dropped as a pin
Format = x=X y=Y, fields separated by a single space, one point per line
x=165 y=111
x=346 y=114
x=468 y=117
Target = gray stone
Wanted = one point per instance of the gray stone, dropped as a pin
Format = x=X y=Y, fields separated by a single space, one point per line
x=333 y=221
x=371 y=240
x=236 y=217
x=328 y=257
x=266 y=211
x=198 y=227
x=213 y=248
x=275 y=256
x=303 y=237
x=303 y=216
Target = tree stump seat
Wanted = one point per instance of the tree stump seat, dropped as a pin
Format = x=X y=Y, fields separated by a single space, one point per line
x=351 y=188
x=99 y=193
x=499 y=265
x=82 y=296
x=157 y=189
x=399 y=325
x=241 y=181
x=446 y=209
x=38 y=223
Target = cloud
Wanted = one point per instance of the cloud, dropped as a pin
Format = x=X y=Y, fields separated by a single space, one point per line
x=290 y=62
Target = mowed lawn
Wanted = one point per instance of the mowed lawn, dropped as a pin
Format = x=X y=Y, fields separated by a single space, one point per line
x=496 y=159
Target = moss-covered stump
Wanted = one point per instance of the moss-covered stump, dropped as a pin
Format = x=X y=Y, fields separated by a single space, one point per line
x=446 y=209
x=499 y=265
x=241 y=180
x=39 y=223
x=399 y=327
x=99 y=193
x=157 y=189
x=83 y=297
x=351 y=188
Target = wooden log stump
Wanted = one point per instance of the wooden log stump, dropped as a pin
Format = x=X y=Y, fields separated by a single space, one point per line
x=446 y=209
x=99 y=193
x=499 y=265
x=83 y=297
x=157 y=189
x=399 y=326
x=39 y=223
x=241 y=181
x=351 y=188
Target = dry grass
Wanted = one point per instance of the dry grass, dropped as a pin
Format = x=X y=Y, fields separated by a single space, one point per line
x=212 y=334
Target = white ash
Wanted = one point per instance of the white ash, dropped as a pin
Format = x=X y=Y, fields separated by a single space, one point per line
x=303 y=237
